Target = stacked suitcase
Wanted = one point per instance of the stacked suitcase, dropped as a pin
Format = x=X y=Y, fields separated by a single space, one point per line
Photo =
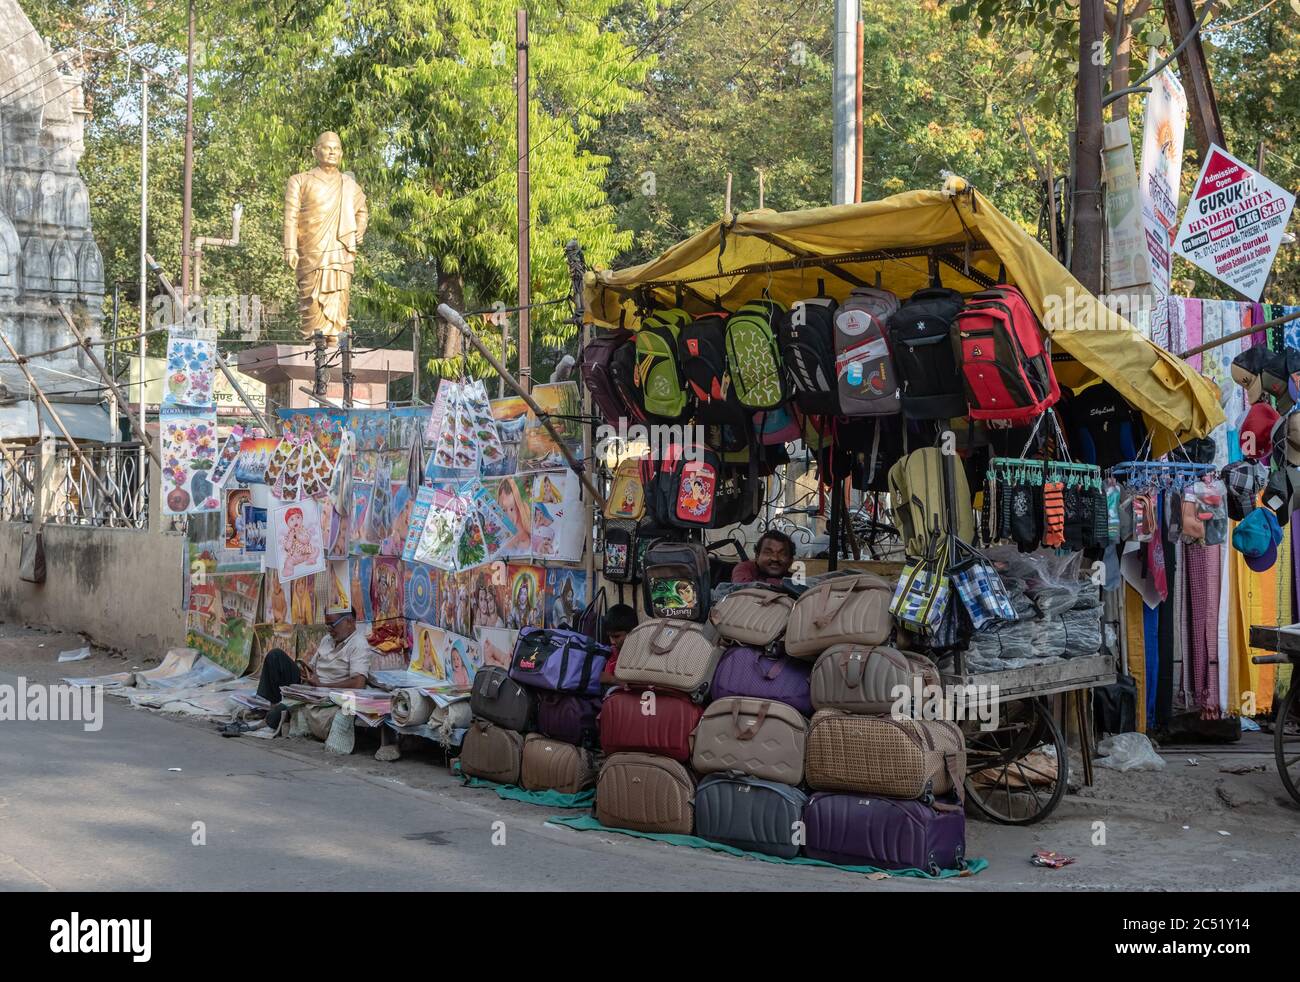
x=732 y=699
x=535 y=725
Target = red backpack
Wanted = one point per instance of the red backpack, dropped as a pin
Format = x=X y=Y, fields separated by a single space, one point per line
x=1005 y=357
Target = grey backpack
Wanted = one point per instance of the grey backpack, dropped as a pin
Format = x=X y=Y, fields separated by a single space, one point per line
x=868 y=383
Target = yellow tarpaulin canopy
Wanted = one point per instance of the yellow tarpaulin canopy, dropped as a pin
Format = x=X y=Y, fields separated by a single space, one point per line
x=898 y=242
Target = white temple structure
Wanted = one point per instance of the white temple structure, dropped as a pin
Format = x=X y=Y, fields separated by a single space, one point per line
x=48 y=255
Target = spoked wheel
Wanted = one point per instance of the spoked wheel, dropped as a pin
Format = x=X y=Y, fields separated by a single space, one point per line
x=1286 y=741
x=1017 y=772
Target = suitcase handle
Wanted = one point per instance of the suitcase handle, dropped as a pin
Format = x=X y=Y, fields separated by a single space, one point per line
x=747 y=733
x=850 y=659
x=831 y=608
x=776 y=668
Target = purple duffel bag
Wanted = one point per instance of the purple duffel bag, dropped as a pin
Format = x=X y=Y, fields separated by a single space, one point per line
x=569 y=718
x=555 y=660
x=751 y=673
x=862 y=830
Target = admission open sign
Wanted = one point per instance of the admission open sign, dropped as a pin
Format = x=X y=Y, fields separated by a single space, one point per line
x=1234 y=224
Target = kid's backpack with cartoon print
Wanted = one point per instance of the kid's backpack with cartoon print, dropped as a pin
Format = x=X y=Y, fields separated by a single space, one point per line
x=675 y=580
x=621 y=550
x=754 y=356
x=658 y=365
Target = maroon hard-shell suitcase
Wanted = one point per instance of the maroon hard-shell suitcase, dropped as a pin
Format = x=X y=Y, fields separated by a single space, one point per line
x=658 y=721
x=889 y=833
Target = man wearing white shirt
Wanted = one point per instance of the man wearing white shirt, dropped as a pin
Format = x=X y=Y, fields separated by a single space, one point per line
x=342 y=661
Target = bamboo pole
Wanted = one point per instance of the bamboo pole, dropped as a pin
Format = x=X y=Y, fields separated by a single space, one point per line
x=136 y=425
x=453 y=318
x=109 y=494
x=1243 y=333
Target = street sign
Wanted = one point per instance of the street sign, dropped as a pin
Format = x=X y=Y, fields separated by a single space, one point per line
x=1234 y=223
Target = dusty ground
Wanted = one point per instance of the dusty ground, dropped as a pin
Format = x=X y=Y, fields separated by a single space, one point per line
x=1141 y=830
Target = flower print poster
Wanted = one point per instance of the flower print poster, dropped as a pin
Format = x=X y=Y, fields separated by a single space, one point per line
x=190 y=369
x=296 y=539
x=189 y=452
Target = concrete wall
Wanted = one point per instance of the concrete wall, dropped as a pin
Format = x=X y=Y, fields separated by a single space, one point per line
x=121 y=587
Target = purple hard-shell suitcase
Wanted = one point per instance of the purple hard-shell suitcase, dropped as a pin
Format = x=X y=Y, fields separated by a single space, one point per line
x=864 y=830
x=749 y=672
x=569 y=718
x=556 y=660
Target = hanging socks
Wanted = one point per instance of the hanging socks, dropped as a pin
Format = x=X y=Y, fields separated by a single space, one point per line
x=1053 y=514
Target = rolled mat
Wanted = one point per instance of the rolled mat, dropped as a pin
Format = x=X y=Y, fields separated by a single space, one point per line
x=411 y=707
x=587 y=823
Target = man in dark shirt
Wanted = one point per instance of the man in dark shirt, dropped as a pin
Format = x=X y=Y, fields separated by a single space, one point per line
x=771 y=563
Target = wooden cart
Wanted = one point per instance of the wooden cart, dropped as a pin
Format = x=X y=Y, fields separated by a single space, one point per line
x=1286 y=722
x=1017 y=769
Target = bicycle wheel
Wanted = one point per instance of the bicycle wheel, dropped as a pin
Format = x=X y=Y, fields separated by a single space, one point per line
x=1286 y=742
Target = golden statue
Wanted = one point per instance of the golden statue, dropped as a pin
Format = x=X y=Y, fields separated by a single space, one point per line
x=324 y=222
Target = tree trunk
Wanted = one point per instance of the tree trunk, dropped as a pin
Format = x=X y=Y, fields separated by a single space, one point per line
x=1120 y=73
x=451 y=291
x=1085 y=259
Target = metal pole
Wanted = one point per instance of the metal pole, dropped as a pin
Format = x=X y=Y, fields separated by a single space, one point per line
x=144 y=249
x=415 y=362
x=186 y=211
x=115 y=403
x=860 y=140
x=322 y=373
x=345 y=351
x=522 y=149
x=842 y=99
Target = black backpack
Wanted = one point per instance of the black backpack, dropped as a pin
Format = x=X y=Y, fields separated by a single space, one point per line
x=622 y=375
x=807 y=338
x=621 y=550
x=675 y=581
x=923 y=354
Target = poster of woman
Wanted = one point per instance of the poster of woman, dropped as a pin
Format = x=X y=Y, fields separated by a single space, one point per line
x=512 y=497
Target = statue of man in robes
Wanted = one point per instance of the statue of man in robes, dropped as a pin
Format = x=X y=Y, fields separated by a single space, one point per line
x=324 y=222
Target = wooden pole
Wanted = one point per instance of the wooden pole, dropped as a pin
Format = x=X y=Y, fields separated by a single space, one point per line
x=1244 y=333
x=136 y=425
x=454 y=318
x=109 y=494
x=861 y=139
x=523 y=148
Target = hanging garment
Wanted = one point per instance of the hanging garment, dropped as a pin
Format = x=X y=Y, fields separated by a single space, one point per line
x=1224 y=647
x=1151 y=642
x=1168 y=629
x=1135 y=632
x=1180 y=678
x=1053 y=514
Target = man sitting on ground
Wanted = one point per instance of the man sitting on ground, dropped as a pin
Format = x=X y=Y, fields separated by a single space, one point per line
x=341 y=662
x=771 y=562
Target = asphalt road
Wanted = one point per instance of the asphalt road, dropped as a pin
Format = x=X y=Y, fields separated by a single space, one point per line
x=105 y=811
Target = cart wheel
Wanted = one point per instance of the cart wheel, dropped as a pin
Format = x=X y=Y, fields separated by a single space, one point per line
x=1001 y=783
x=1286 y=741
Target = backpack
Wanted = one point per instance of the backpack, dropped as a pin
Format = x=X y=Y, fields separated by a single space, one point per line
x=704 y=367
x=807 y=333
x=868 y=384
x=1005 y=357
x=918 y=502
x=753 y=355
x=775 y=427
x=675 y=580
x=923 y=354
x=621 y=551
x=658 y=369
x=626 y=493
x=622 y=376
x=597 y=358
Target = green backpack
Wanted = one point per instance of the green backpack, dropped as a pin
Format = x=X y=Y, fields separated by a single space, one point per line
x=919 y=504
x=753 y=357
x=658 y=369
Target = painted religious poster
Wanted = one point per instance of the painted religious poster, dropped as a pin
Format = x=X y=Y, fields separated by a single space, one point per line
x=221 y=618
x=497 y=645
x=237 y=499
x=306 y=606
x=190 y=368
x=400 y=508
x=276 y=609
x=362 y=569
x=386 y=590
x=562 y=402
x=339 y=581
x=295 y=534
x=369 y=428
x=526 y=597
x=188 y=448
x=406 y=426
x=559 y=517
x=566 y=593
x=490 y=598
